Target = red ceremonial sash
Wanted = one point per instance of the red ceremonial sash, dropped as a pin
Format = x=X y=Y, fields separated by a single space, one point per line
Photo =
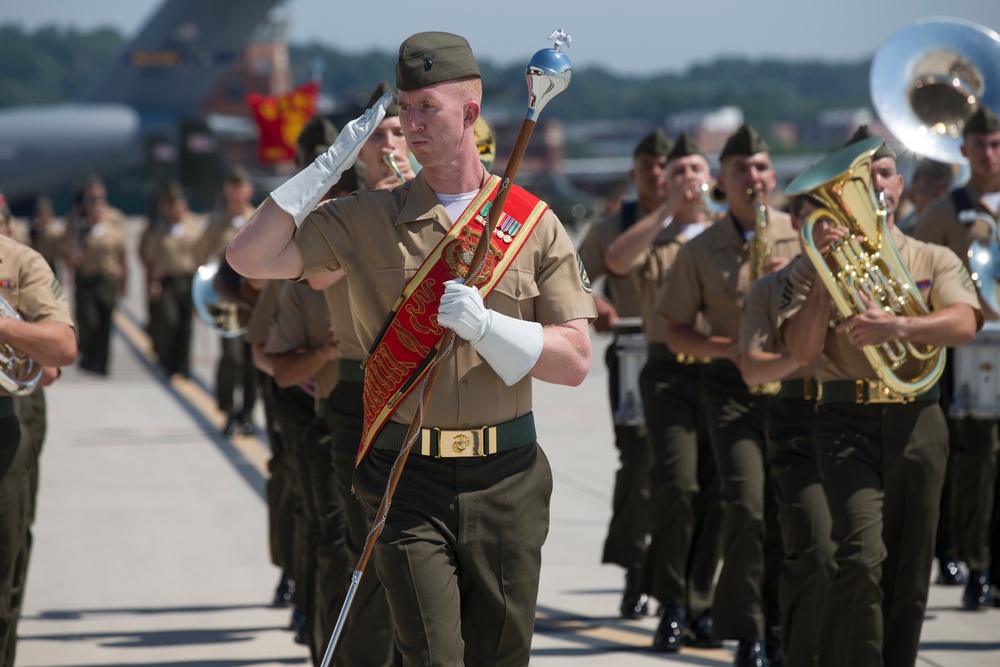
x=405 y=346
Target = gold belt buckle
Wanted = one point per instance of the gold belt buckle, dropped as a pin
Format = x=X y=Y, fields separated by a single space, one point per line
x=877 y=393
x=811 y=389
x=468 y=443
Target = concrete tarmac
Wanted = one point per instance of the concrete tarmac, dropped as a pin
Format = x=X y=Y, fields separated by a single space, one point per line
x=151 y=535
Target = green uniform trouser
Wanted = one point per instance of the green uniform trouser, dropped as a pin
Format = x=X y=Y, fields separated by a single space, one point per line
x=235 y=367
x=170 y=327
x=294 y=412
x=972 y=467
x=882 y=468
x=629 y=527
x=461 y=553
x=685 y=511
x=16 y=457
x=746 y=595
x=95 y=304
x=280 y=500
x=368 y=636
x=326 y=527
x=804 y=520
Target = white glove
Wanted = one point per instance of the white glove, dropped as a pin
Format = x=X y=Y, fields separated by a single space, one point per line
x=510 y=346
x=299 y=195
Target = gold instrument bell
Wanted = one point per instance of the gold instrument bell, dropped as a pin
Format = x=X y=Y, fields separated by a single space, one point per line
x=19 y=373
x=927 y=79
x=485 y=143
x=867 y=261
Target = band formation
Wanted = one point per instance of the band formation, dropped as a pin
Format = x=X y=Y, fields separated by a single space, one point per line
x=789 y=378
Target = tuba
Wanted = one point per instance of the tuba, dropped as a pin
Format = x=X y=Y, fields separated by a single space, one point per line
x=221 y=315
x=19 y=373
x=926 y=80
x=867 y=262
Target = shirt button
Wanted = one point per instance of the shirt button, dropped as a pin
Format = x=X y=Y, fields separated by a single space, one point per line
x=465 y=383
x=465 y=426
x=517 y=292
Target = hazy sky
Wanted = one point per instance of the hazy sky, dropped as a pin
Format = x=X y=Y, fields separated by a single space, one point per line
x=626 y=36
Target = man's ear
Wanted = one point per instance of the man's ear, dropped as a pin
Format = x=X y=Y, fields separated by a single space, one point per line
x=471 y=114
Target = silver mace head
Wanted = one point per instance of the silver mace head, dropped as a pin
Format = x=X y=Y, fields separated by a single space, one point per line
x=548 y=73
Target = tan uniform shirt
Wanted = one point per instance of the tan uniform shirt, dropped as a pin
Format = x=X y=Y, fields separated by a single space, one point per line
x=170 y=248
x=759 y=330
x=29 y=286
x=339 y=303
x=649 y=272
x=622 y=291
x=101 y=247
x=939 y=275
x=380 y=238
x=263 y=312
x=940 y=224
x=302 y=321
x=219 y=231
x=711 y=274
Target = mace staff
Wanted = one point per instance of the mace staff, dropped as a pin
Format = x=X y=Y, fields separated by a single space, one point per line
x=548 y=73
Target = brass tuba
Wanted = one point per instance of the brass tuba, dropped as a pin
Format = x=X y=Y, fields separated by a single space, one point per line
x=927 y=79
x=221 y=315
x=19 y=373
x=867 y=262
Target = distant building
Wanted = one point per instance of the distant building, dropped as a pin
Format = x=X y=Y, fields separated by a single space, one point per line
x=709 y=127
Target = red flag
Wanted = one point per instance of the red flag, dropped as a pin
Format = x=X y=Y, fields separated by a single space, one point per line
x=280 y=120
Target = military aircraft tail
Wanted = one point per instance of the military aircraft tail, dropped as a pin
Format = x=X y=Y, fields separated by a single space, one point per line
x=177 y=57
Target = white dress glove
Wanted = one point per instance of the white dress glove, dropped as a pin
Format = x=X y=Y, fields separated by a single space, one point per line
x=509 y=345
x=299 y=195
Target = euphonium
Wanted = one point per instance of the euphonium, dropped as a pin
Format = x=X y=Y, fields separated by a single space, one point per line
x=867 y=262
x=19 y=373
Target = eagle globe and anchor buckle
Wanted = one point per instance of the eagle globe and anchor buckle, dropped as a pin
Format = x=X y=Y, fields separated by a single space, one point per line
x=469 y=443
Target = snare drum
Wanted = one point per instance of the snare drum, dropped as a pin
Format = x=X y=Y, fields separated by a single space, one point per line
x=630 y=348
x=976 y=367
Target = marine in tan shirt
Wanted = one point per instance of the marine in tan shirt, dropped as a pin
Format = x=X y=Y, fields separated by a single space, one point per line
x=709 y=279
x=679 y=566
x=882 y=460
x=380 y=239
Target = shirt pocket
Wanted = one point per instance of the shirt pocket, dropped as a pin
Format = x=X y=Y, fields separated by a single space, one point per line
x=391 y=281
x=515 y=295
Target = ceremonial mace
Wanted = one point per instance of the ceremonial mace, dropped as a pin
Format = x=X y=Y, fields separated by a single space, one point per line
x=548 y=73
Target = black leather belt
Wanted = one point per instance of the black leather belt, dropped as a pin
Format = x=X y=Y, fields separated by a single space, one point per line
x=871 y=392
x=802 y=389
x=466 y=443
x=661 y=352
x=6 y=407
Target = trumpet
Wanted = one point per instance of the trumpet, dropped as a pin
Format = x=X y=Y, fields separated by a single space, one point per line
x=19 y=373
x=390 y=160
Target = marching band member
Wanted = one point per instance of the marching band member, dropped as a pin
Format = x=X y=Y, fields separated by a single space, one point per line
x=628 y=530
x=803 y=516
x=881 y=460
x=954 y=221
x=45 y=334
x=460 y=551
x=685 y=515
x=708 y=282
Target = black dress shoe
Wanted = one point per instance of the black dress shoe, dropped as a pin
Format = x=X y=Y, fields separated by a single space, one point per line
x=750 y=653
x=700 y=635
x=635 y=603
x=775 y=656
x=670 y=632
x=283 y=593
x=949 y=573
x=977 y=591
